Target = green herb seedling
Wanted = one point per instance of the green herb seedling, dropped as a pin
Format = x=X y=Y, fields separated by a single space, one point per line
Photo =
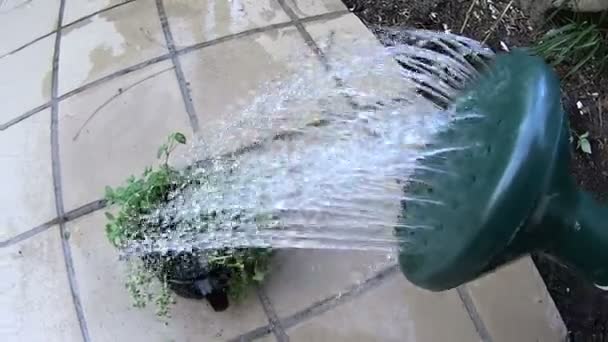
x=583 y=143
x=137 y=198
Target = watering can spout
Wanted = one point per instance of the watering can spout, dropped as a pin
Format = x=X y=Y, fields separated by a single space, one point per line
x=511 y=192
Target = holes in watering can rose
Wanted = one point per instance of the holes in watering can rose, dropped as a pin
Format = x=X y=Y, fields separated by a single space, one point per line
x=488 y=149
x=473 y=179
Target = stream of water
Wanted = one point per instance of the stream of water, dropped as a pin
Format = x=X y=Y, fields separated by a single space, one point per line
x=338 y=145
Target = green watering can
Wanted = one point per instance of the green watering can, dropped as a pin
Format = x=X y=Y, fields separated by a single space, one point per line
x=507 y=190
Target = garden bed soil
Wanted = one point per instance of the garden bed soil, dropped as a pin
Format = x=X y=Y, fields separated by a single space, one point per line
x=583 y=307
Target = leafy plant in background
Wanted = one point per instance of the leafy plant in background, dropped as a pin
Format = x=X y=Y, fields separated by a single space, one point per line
x=578 y=42
x=151 y=278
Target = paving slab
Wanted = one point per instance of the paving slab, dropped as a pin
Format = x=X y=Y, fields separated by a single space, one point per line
x=108 y=42
x=308 y=8
x=26 y=78
x=15 y=32
x=357 y=58
x=225 y=81
x=193 y=21
x=112 y=131
x=300 y=278
x=394 y=311
x=77 y=9
x=27 y=198
x=516 y=306
x=108 y=308
x=35 y=300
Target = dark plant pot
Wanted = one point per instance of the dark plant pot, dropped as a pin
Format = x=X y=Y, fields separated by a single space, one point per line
x=189 y=277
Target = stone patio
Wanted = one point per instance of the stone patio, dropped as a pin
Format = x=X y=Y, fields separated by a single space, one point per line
x=89 y=88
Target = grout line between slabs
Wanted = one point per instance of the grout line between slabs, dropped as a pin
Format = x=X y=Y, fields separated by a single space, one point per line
x=234 y=36
x=69 y=216
x=115 y=75
x=79 y=20
x=24 y=116
x=29 y=233
x=336 y=300
x=325 y=305
x=69 y=265
x=252 y=334
x=158 y=59
x=230 y=37
x=273 y=319
x=305 y=35
x=471 y=309
x=28 y=44
x=57 y=188
x=89 y=16
x=179 y=72
x=312 y=44
x=84 y=210
x=56 y=168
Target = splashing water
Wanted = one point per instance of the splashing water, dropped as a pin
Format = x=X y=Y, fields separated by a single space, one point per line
x=336 y=146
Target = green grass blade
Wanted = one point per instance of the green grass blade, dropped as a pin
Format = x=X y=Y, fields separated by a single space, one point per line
x=583 y=61
x=570 y=48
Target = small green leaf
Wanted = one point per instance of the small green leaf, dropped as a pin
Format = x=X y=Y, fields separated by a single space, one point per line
x=179 y=137
x=584 y=135
x=109 y=216
x=585 y=146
